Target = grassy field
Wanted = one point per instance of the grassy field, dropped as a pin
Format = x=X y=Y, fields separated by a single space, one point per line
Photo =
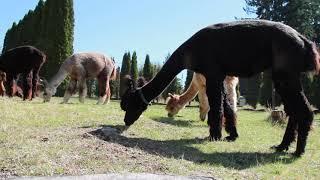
x=39 y=139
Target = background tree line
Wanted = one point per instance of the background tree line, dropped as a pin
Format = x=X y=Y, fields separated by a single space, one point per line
x=304 y=16
x=50 y=28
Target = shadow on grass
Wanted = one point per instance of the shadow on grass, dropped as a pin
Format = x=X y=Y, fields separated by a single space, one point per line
x=182 y=149
x=172 y=121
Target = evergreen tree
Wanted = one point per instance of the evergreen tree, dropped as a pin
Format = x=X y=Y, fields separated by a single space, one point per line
x=304 y=16
x=134 y=67
x=147 y=69
x=125 y=70
x=49 y=28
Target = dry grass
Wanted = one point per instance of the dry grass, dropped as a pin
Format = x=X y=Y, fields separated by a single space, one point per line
x=66 y=139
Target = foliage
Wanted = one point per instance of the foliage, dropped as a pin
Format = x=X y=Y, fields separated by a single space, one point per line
x=147 y=69
x=134 y=67
x=125 y=70
x=304 y=16
x=50 y=28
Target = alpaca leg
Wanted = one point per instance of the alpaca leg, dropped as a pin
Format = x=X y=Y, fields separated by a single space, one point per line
x=10 y=85
x=108 y=92
x=215 y=98
x=27 y=86
x=35 y=80
x=82 y=90
x=230 y=120
x=2 y=89
x=300 y=114
x=203 y=104
x=70 y=90
x=102 y=90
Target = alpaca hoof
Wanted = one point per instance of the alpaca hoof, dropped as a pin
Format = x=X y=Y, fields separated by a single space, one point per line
x=211 y=138
x=297 y=154
x=280 y=148
x=170 y=115
x=203 y=117
x=230 y=138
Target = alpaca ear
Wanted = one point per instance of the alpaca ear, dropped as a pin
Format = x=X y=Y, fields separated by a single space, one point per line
x=170 y=95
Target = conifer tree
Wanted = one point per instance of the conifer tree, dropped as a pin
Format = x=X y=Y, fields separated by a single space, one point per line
x=134 y=67
x=49 y=28
x=148 y=69
x=125 y=70
x=304 y=16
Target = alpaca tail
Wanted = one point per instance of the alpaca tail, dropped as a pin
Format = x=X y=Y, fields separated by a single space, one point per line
x=114 y=73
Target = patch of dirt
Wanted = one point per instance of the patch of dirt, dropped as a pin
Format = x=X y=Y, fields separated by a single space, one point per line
x=6 y=173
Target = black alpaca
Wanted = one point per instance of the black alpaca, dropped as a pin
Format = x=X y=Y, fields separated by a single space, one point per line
x=26 y=61
x=243 y=49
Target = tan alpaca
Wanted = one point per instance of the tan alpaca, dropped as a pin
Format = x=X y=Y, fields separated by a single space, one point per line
x=2 y=80
x=80 y=67
x=198 y=86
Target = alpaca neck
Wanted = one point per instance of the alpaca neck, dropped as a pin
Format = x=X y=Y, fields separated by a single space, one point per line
x=172 y=67
x=58 y=78
x=189 y=94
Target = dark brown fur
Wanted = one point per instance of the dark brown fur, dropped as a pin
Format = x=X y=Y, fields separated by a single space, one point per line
x=24 y=60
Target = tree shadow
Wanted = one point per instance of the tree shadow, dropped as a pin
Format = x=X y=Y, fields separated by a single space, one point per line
x=183 y=149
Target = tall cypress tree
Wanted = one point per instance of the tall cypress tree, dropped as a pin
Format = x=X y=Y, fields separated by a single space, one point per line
x=147 y=69
x=49 y=28
x=125 y=70
x=134 y=67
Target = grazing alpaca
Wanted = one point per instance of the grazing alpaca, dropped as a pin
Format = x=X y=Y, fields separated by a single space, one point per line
x=243 y=49
x=24 y=60
x=2 y=80
x=198 y=86
x=80 y=67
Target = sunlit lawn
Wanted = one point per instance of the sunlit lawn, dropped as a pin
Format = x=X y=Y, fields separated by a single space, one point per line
x=39 y=139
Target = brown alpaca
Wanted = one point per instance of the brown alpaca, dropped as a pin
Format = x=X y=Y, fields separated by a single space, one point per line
x=2 y=80
x=198 y=86
x=80 y=67
x=24 y=61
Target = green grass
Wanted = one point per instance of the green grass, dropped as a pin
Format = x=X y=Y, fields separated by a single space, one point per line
x=39 y=139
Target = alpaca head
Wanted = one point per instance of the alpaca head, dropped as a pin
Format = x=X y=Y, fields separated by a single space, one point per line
x=173 y=105
x=48 y=91
x=132 y=103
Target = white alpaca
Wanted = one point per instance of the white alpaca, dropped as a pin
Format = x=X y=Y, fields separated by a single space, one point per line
x=198 y=86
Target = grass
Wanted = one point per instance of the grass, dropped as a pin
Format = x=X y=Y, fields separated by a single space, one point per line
x=39 y=139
